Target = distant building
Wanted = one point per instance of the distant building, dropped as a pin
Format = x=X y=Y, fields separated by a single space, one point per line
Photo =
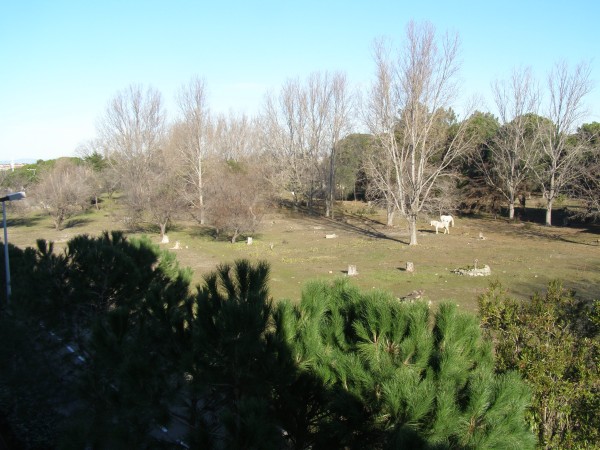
x=11 y=166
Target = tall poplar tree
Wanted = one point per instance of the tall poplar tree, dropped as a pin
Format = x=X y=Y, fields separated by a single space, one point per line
x=409 y=111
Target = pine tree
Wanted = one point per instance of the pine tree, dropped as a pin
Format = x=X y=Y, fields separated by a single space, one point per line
x=232 y=361
x=390 y=380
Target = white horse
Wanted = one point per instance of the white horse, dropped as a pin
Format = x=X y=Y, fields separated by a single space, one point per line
x=447 y=219
x=438 y=225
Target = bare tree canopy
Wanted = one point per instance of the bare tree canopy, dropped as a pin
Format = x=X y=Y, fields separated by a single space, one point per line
x=560 y=156
x=301 y=128
x=133 y=124
x=133 y=132
x=64 y=190
x=236 y=198
x=339 y=123
x=512 y=152
x=588 y=180
x=409 y=111
x=235 y=136
x=193 y=138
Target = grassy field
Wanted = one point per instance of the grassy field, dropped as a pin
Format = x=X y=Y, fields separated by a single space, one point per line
x=524 y=256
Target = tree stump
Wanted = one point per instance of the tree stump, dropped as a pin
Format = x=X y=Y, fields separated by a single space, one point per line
x=410 y=266
x=352 y=271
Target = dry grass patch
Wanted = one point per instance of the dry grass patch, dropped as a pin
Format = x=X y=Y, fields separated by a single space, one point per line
x=523 y=256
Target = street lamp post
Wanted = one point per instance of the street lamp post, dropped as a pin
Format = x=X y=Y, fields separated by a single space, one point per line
x=8 y=198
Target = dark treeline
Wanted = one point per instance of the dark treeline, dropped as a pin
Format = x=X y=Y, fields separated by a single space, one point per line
x=341 y=369
x=99 y=357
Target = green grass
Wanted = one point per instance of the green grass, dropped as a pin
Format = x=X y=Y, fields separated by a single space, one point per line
x=524 y=256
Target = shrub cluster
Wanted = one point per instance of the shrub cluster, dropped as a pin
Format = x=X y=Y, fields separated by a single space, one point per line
x=554 y=342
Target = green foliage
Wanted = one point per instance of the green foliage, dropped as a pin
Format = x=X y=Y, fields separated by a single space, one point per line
x=29 y=388
x=125 y=306
x=96 y=161
x=555 y=346
x=341 y=369
x=391 y=381
x=40 y=281
x=352 y=152
x=482 y=127
x=232 y=361
x=595 y=316
x=235 y=166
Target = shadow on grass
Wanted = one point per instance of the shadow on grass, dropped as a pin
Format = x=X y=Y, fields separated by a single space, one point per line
x=342 y=222
x=23 y=221
x=77 y=222
x=575 y=241
x=547 y=233
x=429 y=231
x=208 y=232
x=202 y=232
x=584 y=290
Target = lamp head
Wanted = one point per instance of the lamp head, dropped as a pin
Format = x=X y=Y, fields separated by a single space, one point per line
x=13 y=196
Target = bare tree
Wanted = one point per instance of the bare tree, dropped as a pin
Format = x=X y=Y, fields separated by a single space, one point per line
x=382 y=119
x=64 y=190
x=235 y=136
x=92 y=157
x=236 y=198
x=588 y=181
x=133 y=126
x=411 y=116
x=133 y=134
x=302 y=128
x=560 y=156
x=95 y=152
x=512 y=152
x=194 y=142
x=283 y=125
x=340 y=111
x=160 y=192
x=588 y=188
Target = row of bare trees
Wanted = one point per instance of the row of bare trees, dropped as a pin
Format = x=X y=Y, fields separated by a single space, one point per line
x=220 y=169
x=302 y=129
x=166 y=170
x=540 y=149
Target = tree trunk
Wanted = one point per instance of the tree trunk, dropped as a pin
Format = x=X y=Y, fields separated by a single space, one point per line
x=390 y=214
x=331 y=188
x=163 y=230
x=200 y=191
x=59 y=218
x=412 y=228
x=511 y=210
x=549 y=212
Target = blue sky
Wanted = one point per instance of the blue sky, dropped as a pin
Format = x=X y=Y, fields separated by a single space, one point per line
x=62 y=61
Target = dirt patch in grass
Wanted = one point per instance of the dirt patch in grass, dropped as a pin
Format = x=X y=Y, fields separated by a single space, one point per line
x=524 y=256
